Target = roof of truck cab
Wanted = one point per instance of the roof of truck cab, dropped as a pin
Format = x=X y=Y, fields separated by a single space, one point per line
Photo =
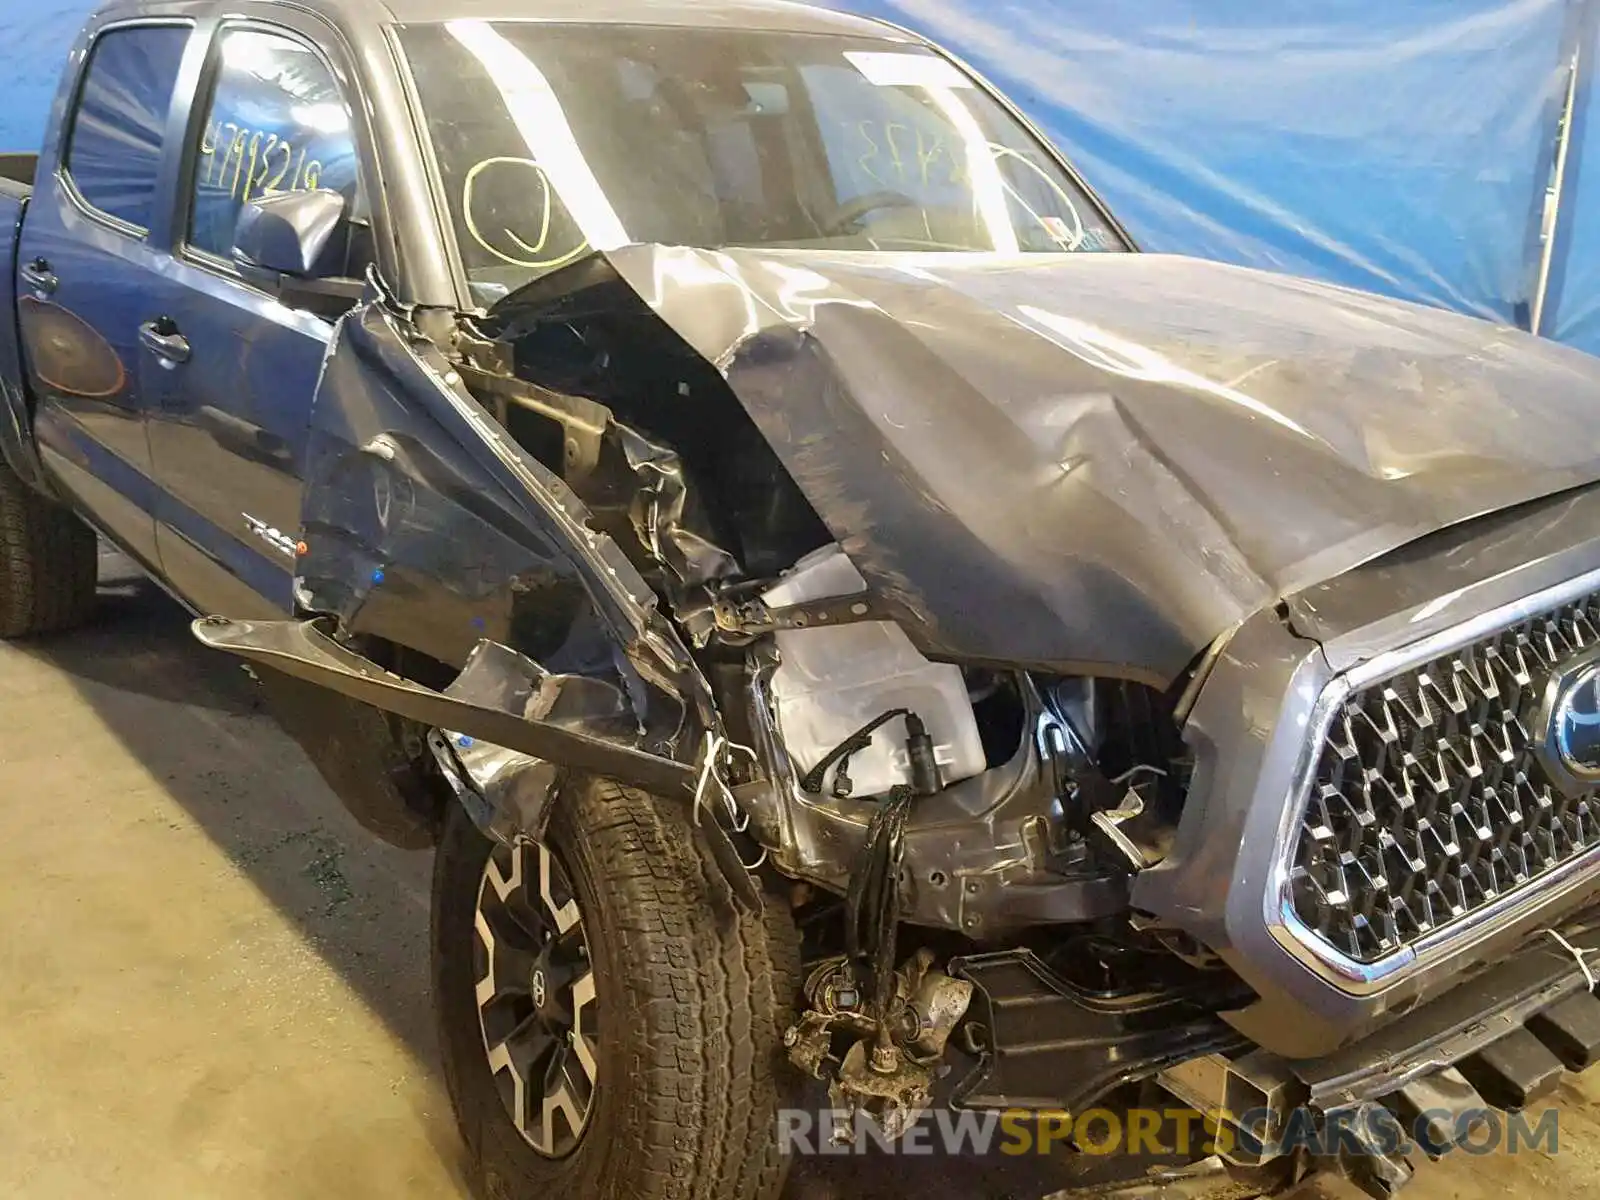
x=779 y=15
x=739 y=14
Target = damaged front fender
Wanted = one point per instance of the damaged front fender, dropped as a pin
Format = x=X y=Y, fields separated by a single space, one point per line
x=426 y=525
x=430 y=533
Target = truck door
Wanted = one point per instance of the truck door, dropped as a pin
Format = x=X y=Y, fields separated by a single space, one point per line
x=90 y=254
x=228 y=436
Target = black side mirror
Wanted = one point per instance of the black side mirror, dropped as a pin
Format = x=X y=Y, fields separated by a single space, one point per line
x=294 y=245
x=288 y=233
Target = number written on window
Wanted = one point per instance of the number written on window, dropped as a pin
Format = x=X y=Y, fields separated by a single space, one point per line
x=277 y=123
x=261 y=163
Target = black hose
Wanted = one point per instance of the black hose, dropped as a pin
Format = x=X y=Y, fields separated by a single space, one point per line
x=858 y=741
x=872 y=903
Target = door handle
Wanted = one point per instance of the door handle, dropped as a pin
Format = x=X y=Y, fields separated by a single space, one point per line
x=38 y=276
x=162 y=337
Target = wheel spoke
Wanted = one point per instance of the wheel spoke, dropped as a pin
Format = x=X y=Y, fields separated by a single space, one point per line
x=508 y=966
x=555 y=1068
x=530 y=1044
x=504 y=882
x=572 y=944
x=529 y=917
x=582 y=1027
x=516 y=1058
x=512 y=967
x=510 y=925
x=565 y=915
x=561 y=1101
x=486 y=986
x=517 y=1103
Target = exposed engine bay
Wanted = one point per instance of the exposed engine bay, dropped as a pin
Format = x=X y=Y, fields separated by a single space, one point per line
x=568 y=536
x=978 y=801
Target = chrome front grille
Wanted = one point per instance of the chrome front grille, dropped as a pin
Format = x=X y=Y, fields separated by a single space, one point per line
x=1430 y=800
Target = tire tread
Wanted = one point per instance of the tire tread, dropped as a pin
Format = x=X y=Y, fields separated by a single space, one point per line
x=710 y=990
x=48 y=562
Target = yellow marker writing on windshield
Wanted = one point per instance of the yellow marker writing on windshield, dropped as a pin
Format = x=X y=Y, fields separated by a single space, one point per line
x=546 y=203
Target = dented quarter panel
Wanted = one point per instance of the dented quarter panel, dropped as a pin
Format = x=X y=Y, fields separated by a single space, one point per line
x=1101 y=463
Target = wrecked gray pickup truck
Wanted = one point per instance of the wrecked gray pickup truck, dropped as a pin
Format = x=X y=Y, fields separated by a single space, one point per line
x=716 y=473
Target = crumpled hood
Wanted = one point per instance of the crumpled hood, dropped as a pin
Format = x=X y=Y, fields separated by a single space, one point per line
x=1103 y=462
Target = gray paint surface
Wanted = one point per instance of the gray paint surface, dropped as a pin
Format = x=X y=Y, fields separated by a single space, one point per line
x=1103 y=462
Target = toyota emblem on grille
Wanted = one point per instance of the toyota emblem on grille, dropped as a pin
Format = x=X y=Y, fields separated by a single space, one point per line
x=1569 y=728
x=1575 y=723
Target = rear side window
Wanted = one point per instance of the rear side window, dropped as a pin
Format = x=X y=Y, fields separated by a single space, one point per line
x=114 y=148
x=276 y=122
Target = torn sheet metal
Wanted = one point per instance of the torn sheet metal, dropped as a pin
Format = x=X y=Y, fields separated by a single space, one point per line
x=305 y=650
x=641 y=492
x=1099 y=464
x=507 y=794
x=635 y=483
x=509 y=791
x=498 y=677
x=662 y=519
x=425 y=525
x=583 y=422
x=497 y=700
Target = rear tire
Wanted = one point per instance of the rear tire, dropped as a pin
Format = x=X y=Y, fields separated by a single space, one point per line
x=687 y=1000
x=48 y=562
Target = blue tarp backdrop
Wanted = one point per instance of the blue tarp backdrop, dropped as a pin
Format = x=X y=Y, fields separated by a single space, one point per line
x=1402 y=146
x=35 y=36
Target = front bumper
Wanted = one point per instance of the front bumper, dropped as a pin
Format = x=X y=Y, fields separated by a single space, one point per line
x=1256 y=734
x=1511 y=1031
x=1424 y=1084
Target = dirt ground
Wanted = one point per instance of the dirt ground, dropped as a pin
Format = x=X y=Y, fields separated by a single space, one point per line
x=213 y=984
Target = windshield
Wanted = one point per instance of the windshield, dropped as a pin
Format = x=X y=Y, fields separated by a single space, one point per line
x=554 y=140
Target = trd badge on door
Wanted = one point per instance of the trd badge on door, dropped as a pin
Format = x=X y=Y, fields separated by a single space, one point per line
x=275 y=538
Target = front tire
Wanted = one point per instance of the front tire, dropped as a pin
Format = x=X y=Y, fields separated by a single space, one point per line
x=657 y=1035
x=48 y=561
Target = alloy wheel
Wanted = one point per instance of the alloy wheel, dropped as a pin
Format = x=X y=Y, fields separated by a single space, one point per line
x=536 y=996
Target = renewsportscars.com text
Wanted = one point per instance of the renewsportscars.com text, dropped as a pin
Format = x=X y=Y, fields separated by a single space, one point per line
x=1182 y=1131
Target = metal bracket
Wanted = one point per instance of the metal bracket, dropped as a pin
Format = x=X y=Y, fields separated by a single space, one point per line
x=752 y=617
x=583 y=422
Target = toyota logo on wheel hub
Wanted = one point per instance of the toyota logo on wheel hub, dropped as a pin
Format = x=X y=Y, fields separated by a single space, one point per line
x=540 y=992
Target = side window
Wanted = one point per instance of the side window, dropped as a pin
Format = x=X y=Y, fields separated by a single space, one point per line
x=276 y=123
x=114 y=148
